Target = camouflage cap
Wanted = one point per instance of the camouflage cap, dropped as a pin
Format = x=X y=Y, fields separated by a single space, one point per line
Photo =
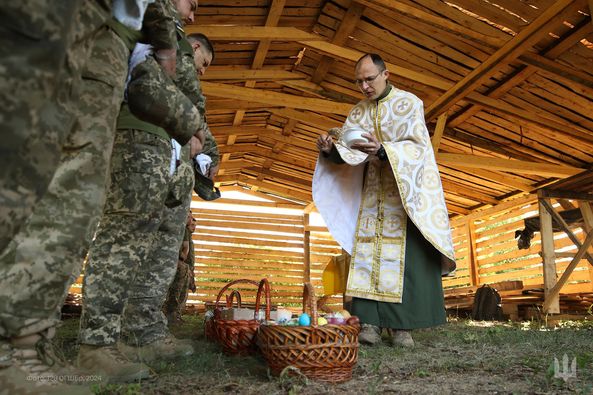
x=204 y=186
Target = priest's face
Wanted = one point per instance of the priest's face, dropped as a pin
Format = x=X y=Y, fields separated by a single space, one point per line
x=370 y=79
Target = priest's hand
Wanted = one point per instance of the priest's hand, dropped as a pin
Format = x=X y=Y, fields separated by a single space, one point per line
x=324 y=143
x=369 y=148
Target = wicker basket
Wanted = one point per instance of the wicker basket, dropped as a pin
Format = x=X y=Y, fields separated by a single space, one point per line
x=326 y=353
x=209 y=329
x=239 y=336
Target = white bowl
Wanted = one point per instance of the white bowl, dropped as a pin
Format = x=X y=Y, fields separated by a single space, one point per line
x=352 y=136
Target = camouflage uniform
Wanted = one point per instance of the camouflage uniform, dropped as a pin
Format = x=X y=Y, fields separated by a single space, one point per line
x=133 y=258
x=42 y=49
x=179 y=288
x=44 y=257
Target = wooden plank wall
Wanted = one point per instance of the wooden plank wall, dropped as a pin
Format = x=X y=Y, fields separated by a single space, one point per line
x=239 y=243
x=496 y=257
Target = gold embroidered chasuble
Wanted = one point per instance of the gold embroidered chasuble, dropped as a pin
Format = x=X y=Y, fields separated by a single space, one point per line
x=407 y=185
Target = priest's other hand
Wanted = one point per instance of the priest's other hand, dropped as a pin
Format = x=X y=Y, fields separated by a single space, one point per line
x=324 y=143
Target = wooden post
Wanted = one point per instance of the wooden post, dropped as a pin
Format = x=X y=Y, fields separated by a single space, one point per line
x=472 y=253
x=587 y=212
x=554 y=292
x=307 y=249
x=439 y=130
x=549 y=258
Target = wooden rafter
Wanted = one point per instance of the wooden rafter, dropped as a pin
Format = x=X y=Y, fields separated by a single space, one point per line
x=522 y=74
x=274 y=98
x=347 y=25
x=511 y=50
x=381 y=5
x=510 y=165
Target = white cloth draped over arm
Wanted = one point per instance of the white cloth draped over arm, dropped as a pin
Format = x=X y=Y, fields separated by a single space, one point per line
x=337 y=195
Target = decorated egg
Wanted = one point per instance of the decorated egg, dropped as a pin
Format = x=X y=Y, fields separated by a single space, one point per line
x=321 y=321
x=304 y=319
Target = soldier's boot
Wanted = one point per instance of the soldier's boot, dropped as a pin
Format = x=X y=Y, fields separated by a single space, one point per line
x=401 y=338
x=168 y=347
x=110 y=364
x=26 y=368
x=369 y=334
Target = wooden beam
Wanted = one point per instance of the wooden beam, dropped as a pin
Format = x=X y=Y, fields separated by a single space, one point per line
x=486 y=212
x=510 y=165
x=353 y=55
x=563 y=194
x=243 y=130
x=587 y=212
x=444 y=23
x=252 y=33
x=496 y=106
x=555 y=291
x=438 y=132
x=307 y=249
x=553 y=67
x=310 y=118
x=273 y=98
x=510 y=51
x=469 y=193
x=560 y=221
x=549 y=258
x=248 y=75
x=472 y=253
x=347 y=25
x=310 y=208
x=577 y=34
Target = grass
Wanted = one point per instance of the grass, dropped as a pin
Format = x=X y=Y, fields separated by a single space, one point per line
x=461 y=357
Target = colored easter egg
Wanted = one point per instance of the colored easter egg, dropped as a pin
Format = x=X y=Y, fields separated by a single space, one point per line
x=304 y=319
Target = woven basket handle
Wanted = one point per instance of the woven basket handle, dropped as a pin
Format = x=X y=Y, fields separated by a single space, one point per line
x=230 y=298
x=264 y=286
x=310 y=302
x=223 y=290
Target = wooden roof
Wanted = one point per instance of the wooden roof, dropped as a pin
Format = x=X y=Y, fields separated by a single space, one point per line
x=507 y=87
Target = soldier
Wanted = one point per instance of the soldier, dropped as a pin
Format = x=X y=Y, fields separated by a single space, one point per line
x=145 y=333
x=138 y=232
x=45 y=256
x=184 y=277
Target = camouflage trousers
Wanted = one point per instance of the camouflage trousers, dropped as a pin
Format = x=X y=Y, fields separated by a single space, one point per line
x=177 y=294
x=46 y=255
x=43 y=47
x=133 y=258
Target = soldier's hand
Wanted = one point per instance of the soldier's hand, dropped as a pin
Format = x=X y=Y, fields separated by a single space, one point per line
x=167 y=58
x=192 y=281
x=213 y=171
x=195 y=146
x=325 y=143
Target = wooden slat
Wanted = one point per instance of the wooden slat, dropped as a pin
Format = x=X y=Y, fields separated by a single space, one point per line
x=512 y=49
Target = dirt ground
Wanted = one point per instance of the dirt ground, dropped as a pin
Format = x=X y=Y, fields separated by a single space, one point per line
x=463 y=356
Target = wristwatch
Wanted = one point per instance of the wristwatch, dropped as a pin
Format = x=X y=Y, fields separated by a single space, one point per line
x=381 y=154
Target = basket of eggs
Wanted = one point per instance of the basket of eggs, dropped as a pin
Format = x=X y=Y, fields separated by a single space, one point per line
x=235 y=328
x=319 y=348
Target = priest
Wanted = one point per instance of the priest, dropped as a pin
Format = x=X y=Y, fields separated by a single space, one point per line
x=382 y=200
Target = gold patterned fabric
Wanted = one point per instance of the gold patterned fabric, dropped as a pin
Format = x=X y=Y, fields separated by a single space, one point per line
x=407 y=185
